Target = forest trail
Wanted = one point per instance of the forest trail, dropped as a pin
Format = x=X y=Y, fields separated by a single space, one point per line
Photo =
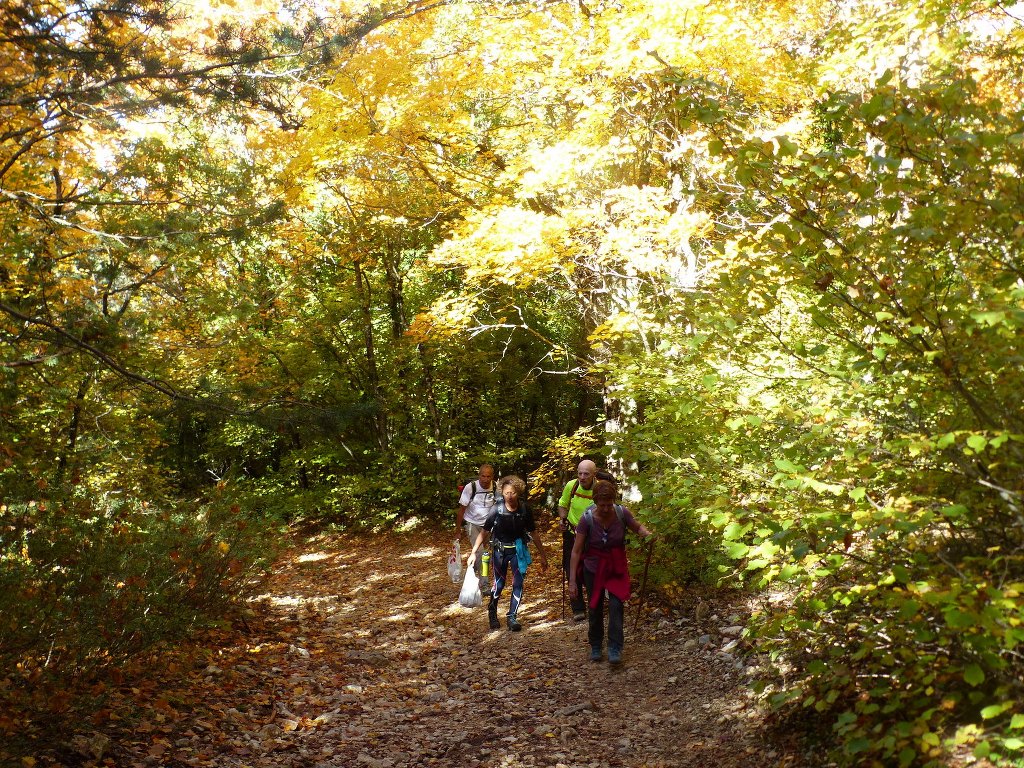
x=359 y=655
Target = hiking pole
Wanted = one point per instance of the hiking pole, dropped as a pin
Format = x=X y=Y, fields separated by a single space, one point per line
x=643 y=585
x=561 y=567
x=563 y=592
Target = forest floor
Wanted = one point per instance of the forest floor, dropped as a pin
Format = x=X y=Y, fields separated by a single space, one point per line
x=359 y=655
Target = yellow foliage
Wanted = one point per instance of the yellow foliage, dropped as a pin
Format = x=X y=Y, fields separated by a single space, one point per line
x=448 y=318
x=423 y=93
x=617 y=325
x=542 y=133
x=560 y=457
x=505 y=244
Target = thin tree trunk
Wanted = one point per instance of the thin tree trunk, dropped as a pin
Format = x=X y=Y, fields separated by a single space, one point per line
x=76 y=419
x=435 y=417
x=373 y=376
x=300 y=464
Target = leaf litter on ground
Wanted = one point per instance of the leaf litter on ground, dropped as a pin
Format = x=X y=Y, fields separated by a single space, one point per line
x=359 y=654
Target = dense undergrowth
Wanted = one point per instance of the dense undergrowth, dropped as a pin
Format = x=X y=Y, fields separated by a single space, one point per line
x=85 y=585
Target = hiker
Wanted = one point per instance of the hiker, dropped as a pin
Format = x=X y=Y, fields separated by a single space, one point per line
x=576 y=497
x=475 y=502
x=510 y=527
x=601 y=549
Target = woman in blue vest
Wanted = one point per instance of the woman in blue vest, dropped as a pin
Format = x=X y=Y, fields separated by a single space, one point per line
x=510 y=527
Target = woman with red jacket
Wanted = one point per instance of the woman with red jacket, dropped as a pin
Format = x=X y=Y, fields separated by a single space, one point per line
x=601 y=548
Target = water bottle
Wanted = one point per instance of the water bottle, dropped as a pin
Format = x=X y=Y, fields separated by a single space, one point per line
x=485 y=564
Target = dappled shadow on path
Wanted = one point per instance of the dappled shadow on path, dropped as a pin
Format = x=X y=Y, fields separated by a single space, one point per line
x=425 y=681
x=358 y=654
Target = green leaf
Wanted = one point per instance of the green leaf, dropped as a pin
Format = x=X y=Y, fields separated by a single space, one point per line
x=974 y=675
x=785 y=146
x=995 y=710
x=719 y=519
x=977 y=442
x=954 y=511
x=736 y=549
x=734 y=530
x=989 y=319
x=788 y=571
x=960 y=620
x=785 y=465
x=909 y=609
x=858 y=745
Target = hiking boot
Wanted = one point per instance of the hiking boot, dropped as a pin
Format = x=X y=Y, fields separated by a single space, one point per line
x=513 y=625
x=579 y=616
x=492 y=614
x=614 y=655
x=595 y=653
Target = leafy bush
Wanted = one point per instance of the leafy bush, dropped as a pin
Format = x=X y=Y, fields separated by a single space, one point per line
x=84 y=583
x=905 y=627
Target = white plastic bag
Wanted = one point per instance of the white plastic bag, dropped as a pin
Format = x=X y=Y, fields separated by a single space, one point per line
x=470 y=596
x=455 y=563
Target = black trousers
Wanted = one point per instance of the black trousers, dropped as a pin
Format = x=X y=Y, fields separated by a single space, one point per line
x=616 y=618
x=578 y=603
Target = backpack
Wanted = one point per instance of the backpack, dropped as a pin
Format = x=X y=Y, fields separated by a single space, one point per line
x=572 y=493
x=517 y=517
x=619 y=512
x=473 y=488
x=601 y=474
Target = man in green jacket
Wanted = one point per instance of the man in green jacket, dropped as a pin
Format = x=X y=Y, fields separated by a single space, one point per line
x=576 y=497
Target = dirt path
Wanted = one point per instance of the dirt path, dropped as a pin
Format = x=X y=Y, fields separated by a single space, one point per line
x=361 y=656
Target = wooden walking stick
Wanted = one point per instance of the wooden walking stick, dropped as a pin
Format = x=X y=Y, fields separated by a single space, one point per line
x=643 y=584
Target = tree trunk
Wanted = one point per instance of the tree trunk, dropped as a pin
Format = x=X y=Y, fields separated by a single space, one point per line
x=372 y=374
x=300 y=464
x=76 y=419
x=435 y=417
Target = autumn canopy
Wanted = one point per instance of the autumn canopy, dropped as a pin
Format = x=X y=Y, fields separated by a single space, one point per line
x=265 y=263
